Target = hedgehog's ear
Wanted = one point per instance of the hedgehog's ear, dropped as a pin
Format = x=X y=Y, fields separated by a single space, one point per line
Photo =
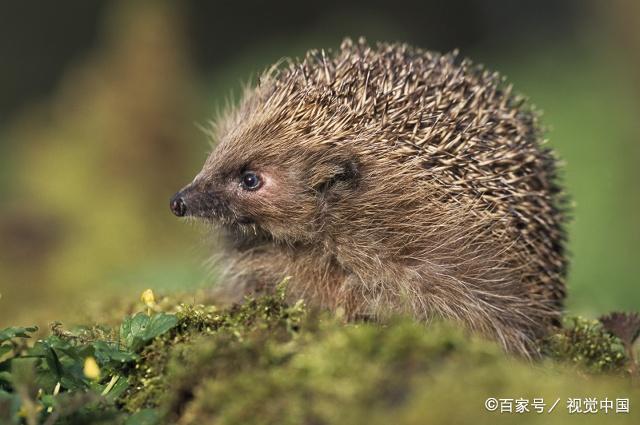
x=336 y=172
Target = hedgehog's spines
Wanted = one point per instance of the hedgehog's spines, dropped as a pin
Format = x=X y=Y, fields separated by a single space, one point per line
x=467 y=144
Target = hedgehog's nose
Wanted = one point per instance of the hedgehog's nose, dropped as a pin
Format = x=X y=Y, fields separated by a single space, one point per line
x=178 y=206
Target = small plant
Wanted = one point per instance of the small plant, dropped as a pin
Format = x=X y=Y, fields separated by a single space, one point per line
x=267 y=361
x=72 y=374
x=588 y=344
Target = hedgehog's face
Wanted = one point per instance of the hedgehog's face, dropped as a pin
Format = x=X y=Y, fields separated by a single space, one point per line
x=254 y=192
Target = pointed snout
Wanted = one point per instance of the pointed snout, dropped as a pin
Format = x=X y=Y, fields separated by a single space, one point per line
x=185 y=201
x=196 y=200
x=178 y=205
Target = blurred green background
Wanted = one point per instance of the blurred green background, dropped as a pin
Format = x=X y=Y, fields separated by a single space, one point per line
x=101 y=102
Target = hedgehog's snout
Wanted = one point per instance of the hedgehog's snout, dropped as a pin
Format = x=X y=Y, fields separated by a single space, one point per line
x=178 y=205
x=195 y=200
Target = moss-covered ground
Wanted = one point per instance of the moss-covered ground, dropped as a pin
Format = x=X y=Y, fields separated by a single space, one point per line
x=269 y=362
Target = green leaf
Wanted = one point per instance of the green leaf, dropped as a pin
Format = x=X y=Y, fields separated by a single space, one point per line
x=5 y=376
x=72 y=382
x=52 y=360
x=159 y=324
x=136 y=331
x=132 y=330
x=16 y=332
x=117 y=389
x=64 y=364
x=139 y=323
x=4 y=349
x=107 y=353
x=144 y=417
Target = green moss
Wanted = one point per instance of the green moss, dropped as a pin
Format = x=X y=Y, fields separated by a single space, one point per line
x=268 y=314
x=267 y=362
x=585 y=343
x=331 y=373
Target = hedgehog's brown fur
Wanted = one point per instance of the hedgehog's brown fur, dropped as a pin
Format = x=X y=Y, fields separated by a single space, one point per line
x=398 y=180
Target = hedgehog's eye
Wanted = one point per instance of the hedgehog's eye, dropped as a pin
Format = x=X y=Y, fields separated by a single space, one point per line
x=250 y=181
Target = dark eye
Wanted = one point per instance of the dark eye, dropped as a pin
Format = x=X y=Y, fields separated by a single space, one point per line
x=250 y=180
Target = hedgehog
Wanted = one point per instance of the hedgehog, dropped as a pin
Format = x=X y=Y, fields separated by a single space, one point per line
x=389 y=180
